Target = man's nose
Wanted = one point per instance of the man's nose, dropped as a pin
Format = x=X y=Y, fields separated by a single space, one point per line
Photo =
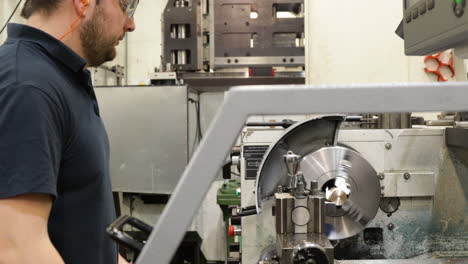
x=130 y=25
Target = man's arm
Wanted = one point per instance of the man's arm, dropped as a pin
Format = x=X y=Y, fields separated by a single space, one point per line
x=24 y=238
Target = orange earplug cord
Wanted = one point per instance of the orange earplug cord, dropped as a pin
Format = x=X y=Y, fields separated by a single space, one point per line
x=72 y=27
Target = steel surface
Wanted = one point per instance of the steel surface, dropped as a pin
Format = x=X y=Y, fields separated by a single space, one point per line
x=331 y=163
x=134 y=118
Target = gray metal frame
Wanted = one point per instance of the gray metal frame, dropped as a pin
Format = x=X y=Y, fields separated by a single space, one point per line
x=242 y=102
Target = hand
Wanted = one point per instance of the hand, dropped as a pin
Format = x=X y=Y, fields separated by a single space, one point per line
x=122 y=260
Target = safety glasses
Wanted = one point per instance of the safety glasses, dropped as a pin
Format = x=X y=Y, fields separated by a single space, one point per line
x=129 y=6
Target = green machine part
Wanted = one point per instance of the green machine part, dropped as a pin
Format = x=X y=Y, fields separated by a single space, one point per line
x=229 y=193
x=229 y=196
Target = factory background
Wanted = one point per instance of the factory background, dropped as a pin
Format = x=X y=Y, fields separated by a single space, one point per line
x=155 y=123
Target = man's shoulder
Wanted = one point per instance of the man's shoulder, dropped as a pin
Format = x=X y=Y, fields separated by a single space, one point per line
x=22 y=60
x=26 y=64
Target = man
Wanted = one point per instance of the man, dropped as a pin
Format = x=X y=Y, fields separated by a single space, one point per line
x=55 y=193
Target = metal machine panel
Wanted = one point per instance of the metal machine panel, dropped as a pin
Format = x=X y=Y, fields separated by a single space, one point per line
x=405 y=184
x=431 y=26
x=408 y=154
x=136 y=118
x=257 y=240
x=395 y=152
x=181 y=36
x=250 y=32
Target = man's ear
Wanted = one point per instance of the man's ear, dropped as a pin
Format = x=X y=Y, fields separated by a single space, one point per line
x=80 y=6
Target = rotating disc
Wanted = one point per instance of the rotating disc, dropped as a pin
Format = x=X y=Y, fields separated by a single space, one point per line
x=331 y=165
x=302 y=139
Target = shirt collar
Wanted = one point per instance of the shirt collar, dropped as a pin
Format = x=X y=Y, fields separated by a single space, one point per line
x=56 y=48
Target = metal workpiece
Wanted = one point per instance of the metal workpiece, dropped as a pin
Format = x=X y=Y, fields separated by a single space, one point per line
x=298 y=248
x=340 y=168
x=242 y=102
x=339 y=192
x=337 y=196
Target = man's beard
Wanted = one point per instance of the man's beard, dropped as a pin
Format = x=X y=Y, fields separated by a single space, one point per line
x=97 y=47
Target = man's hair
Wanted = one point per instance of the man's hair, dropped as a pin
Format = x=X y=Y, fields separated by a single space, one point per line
x=44 y=6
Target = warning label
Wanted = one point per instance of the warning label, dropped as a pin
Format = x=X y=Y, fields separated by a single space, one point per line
x=253 y=155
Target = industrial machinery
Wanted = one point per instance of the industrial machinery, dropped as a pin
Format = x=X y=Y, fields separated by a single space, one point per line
x=225 y=43
x=204 y=35
x=228 y=198
x=325 y=184
x=323 y=194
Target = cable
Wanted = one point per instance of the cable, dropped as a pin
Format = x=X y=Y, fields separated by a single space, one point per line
x=197 y=138
x=12 y=14
x=72 y=27
x=198 y=119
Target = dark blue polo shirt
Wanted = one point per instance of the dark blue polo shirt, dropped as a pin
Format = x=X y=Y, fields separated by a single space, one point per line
x=53 y=141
